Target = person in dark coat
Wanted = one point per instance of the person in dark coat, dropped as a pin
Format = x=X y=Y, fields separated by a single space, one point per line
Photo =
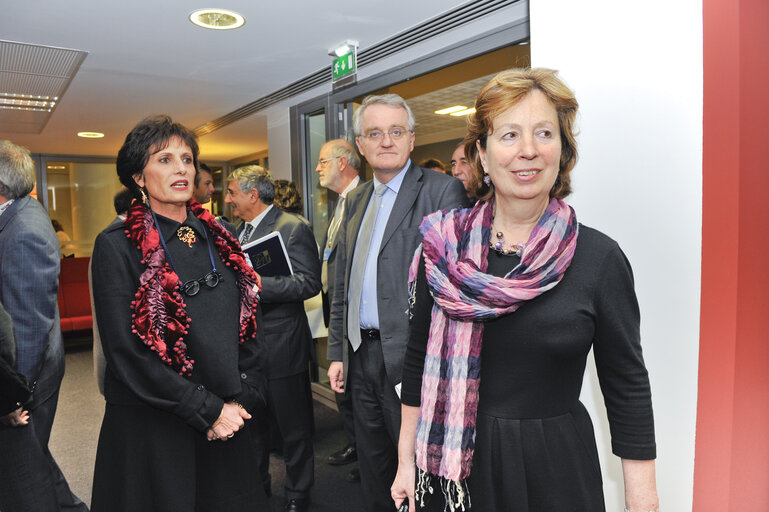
x=251 y=191
x=30 y=479
x=508 y=298
x=177 y=312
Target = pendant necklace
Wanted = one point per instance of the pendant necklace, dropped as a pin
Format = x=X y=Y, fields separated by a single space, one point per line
x=499 y=246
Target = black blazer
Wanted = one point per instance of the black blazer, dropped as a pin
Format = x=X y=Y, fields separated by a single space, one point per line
x=136 y=375
x=285 y=325
x=422 y=192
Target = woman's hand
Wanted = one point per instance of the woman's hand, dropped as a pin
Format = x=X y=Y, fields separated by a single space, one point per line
x=231 y=420
x=403 y=485
x=640 y=485
x=17 y=418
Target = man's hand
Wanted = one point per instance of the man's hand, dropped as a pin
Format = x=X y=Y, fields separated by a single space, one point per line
x=336 y=376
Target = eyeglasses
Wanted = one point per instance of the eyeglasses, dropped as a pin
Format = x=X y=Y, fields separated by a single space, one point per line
x=323 y=162
x=192 y=287
x=378 y=135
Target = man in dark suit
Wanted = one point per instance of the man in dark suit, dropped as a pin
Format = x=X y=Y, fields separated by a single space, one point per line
x=251 y=192
x=369 y=313
x=338 y=168
x=30 y=479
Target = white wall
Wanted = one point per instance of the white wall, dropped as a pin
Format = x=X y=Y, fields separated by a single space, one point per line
x=636 y=69
x=279 y=142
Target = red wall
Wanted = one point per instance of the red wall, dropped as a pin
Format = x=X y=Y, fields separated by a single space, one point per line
x=731 y=471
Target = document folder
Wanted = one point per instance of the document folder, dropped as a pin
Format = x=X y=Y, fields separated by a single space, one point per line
x=268 y=256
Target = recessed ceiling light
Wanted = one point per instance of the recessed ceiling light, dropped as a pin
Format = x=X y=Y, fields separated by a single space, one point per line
x=90 y=135
x=217 y=19
x=455 y=108
x=465 y=112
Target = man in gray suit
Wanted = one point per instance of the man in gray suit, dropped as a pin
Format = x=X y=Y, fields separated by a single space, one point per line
x=251 y=191
x=338 y=168
x=369 y=319
x=30 y=479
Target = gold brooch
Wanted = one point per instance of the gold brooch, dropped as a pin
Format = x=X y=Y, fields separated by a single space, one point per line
x=186 y=235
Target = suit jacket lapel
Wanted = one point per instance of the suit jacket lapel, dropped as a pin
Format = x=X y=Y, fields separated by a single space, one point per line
x=267 y=225
x=407 y=195
x=356 y=219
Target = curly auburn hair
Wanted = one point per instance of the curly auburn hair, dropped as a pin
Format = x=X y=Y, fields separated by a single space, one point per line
x=502 y=93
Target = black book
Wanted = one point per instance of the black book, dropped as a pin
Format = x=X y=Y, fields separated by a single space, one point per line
x=268 y=256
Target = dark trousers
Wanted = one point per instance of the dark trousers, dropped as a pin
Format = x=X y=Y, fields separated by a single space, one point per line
x=344 y=404
x=30 y=479
x=377 y=413
x=289 y=402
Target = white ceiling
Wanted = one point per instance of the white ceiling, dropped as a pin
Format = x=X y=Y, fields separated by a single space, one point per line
x=146 y=57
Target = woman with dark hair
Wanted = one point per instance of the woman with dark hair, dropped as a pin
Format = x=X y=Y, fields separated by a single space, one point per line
x=508 y=299
x=176 y=306
x=287 y=197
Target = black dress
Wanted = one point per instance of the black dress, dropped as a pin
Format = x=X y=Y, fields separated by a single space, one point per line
x=152 y=453
x=535 y=448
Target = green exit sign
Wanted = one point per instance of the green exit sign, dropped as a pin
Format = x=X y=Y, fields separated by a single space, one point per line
x=343 y=66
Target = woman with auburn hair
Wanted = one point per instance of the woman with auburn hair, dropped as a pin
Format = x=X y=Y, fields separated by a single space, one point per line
x=176 y=305
x=508 y=299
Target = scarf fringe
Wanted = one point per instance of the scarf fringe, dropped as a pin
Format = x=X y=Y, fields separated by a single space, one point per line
x=456 y=495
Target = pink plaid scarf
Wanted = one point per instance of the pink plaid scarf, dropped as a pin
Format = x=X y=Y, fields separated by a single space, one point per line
x=455 y=246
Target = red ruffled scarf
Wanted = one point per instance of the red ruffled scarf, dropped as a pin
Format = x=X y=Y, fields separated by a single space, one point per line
x=159 y=315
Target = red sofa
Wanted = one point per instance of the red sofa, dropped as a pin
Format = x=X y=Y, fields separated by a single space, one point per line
x=74 y=296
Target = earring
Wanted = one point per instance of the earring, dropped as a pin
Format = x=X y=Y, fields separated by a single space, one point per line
x=486 y=179
x=144 y=196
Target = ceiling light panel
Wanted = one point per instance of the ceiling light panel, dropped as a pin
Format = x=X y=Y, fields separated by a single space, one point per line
x=217 y=19
x=32 y=80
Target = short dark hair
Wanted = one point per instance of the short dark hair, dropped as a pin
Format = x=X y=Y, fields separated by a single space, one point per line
x=201 y=167
x=151 y=135
x=122 y=201
x=432 y=163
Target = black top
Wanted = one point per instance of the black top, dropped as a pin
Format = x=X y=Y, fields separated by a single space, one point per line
x=223 y=368
x=533 y=360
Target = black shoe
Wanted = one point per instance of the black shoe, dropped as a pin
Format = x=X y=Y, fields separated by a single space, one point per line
x=296 y=505
x=353 y=476
x=346 y=455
